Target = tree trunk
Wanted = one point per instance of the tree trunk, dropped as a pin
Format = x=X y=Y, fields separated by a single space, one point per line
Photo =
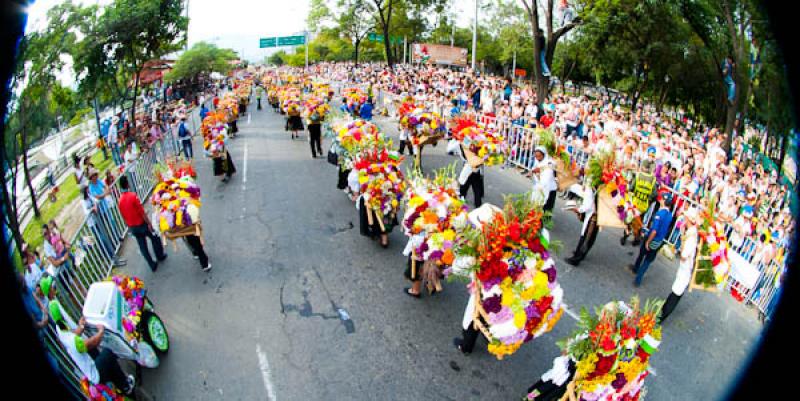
x=784 y=142
x=357 y=44
x=27 y=176
x=10 y=197
x=132 y=125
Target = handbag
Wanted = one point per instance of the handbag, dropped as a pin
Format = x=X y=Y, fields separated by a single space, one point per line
x=333 y=158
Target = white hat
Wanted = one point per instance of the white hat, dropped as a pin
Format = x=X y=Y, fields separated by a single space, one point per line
x=541 y=149
x=691 y=214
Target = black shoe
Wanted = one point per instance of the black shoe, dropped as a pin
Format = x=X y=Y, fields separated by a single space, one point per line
x=636 y=242
x=407 y=291
x=163 y=258
x=573 y=261
x=459 y=344
x=623 y=240
x=154 y=268
x=632 y=269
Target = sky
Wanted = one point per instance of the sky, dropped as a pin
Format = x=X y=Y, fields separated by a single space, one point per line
x=235 y=24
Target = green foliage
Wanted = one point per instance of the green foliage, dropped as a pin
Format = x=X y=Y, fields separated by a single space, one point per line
x=202 y=59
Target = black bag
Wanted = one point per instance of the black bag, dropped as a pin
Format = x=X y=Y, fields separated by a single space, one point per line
x=333 y=158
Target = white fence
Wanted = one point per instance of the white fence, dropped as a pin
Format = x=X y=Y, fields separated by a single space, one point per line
x=755 y=281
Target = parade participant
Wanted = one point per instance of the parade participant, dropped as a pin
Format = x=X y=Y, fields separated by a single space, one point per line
x=689 y=242
x=99 y=366
x=259 y=94
x=471 y=176
x=315 y=133
x=655 y=239
x=366 y=110
x=223 y=163
x=185 y=138
x=294 y=123
x=587 y=213
x=136 y=219
x=544 y=183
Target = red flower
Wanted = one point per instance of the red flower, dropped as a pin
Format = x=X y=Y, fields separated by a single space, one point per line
x=603 y=365
x=644 y=356
x=515 y=231
x=544 y=304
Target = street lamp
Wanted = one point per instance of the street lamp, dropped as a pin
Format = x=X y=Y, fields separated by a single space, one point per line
x=475 y=35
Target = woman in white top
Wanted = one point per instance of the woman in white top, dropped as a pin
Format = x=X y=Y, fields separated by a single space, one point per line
x=686 y=265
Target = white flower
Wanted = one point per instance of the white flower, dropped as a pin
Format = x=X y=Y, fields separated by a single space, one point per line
x=462 y=264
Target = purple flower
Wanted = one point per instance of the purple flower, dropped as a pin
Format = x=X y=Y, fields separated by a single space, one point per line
x=436 y=255
x=614 y=193
x=531 y=311
x=503 y=315
x=492 y=304
x=423 y=247
x=491 y=283
x=551 y=275
x=619 y=382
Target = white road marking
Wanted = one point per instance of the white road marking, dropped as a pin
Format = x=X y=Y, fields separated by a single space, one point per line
x=571 y=314
x=248 y=118
x=263 y=364
x=244 y=174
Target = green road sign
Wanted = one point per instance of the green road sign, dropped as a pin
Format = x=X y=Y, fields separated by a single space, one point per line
x=291 y=40
x=266 y=42
x=374 y=37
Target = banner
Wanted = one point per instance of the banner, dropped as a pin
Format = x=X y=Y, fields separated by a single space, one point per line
x=438 y=54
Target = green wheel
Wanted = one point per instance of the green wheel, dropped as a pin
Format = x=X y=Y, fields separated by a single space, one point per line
x=155 y=332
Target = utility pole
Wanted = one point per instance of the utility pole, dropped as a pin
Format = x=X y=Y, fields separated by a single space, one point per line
x=405 y=46
x=306 y=50
x=514 y=67
x=475 y=35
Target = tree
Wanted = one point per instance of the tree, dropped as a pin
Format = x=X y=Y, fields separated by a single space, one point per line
x=383 y=10
x=318 y=14
x=546 y=40
x=354 y=22
x=202 y=59
x=278 y=58
x=136 y=31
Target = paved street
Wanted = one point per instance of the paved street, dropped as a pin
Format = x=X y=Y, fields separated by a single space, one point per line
x=287 y=257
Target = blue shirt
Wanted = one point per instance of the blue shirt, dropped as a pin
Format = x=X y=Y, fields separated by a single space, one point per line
x=660 y=224
x=203 y=112
x=104 y=126
x=366 y=111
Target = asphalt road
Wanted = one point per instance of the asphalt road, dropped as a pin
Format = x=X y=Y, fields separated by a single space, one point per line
x=266 y=322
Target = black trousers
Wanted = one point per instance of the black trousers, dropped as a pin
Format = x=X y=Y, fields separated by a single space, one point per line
x=406 y=144
x=142 y=233
x=315 y=137
x=475 y=181
x=551 y=202
x=196 y=247
x=669 y=306
x=470 y=337
x=342 y=182
x=259 y=103
x=109 y=370
x=587 y=239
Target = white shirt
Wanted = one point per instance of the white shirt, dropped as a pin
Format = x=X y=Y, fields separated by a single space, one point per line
x=87 y=205
x=686 y=265
x=586 y=207
x=32 y=275
x=545 y=181
x=82 y=359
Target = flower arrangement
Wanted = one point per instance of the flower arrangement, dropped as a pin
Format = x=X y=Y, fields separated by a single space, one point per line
x=514 y=277
x=100 y=392
x=432 y=208
x=423 y=123
x=354 y=97
x=133 y=291
x=315 y=105
x=713 y=265
x=487 y=144
x=178 y=202
x=612 y=350
x=354 y=137
x=382 y=183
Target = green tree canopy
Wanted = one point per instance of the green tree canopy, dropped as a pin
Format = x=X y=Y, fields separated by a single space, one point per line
x=202 y=58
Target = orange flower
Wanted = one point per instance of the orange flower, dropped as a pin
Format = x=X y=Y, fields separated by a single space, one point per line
x=430 y=217
x=447 y=258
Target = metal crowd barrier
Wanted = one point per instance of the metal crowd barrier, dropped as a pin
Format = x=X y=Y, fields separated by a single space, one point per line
x=94 y=247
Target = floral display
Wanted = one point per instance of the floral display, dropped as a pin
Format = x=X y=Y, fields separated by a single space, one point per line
x=100 y=392
x=604 y=171
x=315 y=105
x=133 y=291
x=382 y=183
x=354 y=97
x=177 y=200
x=612 y=350
x=423 y=124
x=487 y=144
x=354 y=136
x=212 y=128
x=431 y=209
x=513 y=275
x=713 y=265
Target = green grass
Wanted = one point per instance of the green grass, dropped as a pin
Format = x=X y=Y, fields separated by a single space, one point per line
x=68 y=192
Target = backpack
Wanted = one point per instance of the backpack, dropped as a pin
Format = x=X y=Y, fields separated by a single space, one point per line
x=182 y=131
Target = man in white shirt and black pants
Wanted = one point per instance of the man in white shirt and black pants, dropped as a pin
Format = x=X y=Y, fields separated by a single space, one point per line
x=471 y=176
x=587 y=211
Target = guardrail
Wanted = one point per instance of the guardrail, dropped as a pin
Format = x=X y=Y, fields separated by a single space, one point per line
x=521 y=142
x=94 y=247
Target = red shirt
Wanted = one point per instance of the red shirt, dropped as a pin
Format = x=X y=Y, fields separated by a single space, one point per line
x=546 y=121
x=131 y=209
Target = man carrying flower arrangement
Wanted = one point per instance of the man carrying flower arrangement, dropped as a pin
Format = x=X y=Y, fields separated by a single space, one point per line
x=133 y=213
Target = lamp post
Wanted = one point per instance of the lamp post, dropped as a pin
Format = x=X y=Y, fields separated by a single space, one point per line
x=475 y=35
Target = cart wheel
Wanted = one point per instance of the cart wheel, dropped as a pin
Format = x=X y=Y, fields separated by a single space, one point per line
x=155 y=332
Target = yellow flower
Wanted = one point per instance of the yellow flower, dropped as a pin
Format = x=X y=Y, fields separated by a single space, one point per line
x=520 y=319
x=449 y=235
